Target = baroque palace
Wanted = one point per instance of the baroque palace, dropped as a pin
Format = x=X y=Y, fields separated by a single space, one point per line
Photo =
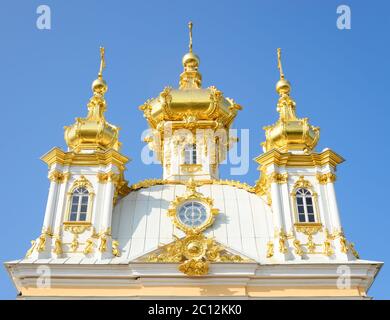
x=190 y=234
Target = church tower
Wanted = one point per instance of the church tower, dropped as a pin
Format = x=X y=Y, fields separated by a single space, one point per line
x=190 y=125
x=190 y=234
x=299 y=185
x=85 y=182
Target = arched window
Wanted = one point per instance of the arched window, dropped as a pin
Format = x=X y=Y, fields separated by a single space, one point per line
x=79 y=204
x=305 y=205
x=190 y=154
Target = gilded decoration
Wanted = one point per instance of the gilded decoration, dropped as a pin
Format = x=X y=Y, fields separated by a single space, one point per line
x=94 y=132
x=39 y=245
x=270 y=249
x=192 y=194
x=76 y=228
x=289 y=132
x=153 y=182
x=58 y=176
x=279 y=178
x=305 y=184
x=81 y=182
x=302 y=183
x=194 y=253
x=89 y=244
x=190 y=107
x=58 y=246
x=191 y=168
x=298 y=247
x=115 y=248
x=326 y=178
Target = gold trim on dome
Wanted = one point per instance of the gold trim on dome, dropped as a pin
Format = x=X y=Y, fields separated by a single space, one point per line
x=153 y=182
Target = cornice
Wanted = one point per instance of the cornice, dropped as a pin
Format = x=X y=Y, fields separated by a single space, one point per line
x=288 y=159
x=111 y=156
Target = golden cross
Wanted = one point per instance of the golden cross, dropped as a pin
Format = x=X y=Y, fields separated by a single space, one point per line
x=190 y=27
x=102 y=62
x=280 y=64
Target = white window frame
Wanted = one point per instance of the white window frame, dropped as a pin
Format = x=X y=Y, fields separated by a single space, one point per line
x=306 y=193
x=190 y=156
x=81 y=195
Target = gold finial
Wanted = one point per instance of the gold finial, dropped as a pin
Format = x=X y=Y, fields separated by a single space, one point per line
x=280 y=64
x=190 y=24
x=102 y=62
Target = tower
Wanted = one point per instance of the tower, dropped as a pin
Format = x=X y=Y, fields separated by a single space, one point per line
x=190 y=125
x=299 y=185
x=85 y=182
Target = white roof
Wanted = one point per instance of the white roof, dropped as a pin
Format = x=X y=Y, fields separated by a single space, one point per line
x=141 y=223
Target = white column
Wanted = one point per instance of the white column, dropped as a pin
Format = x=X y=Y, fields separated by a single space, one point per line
x=287 y=210
x=277 y=206
x=61 y=207
x=50 y=206
x=107 y=206
x=333 y=208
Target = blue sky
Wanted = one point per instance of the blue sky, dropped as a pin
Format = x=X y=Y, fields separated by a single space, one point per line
x=339 y=80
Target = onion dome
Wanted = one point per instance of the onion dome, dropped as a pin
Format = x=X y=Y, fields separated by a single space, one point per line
x=94 y=132
x=190 y=106
x=289 y=133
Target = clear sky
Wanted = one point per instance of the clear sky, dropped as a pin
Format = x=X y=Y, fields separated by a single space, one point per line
x=339 y=80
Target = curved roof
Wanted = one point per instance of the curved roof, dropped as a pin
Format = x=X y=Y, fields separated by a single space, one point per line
x=141 y=222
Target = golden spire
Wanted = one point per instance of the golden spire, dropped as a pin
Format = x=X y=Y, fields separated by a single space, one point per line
x=289 y=132
x=282 y=86
x=99 y=86
x=190 y=30
x=280 y=64
x=102 y=63
x=190 y=78
x=94 y=132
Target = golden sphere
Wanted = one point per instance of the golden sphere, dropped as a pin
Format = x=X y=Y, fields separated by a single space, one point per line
x=283 y=86
x=191 y=58
x=99 y=86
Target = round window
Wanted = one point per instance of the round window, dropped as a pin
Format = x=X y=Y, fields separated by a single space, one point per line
x=192 y=214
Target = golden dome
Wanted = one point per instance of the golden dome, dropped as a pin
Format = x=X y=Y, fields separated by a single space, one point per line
x=289 y=133
x=190 y=106
x=94 y=132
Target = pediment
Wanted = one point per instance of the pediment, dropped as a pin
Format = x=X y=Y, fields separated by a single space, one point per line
x=196 y=248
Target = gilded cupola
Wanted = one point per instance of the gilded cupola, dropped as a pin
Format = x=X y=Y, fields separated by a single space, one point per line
x=190 y=106
x=93 y=132
x=289 y=133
